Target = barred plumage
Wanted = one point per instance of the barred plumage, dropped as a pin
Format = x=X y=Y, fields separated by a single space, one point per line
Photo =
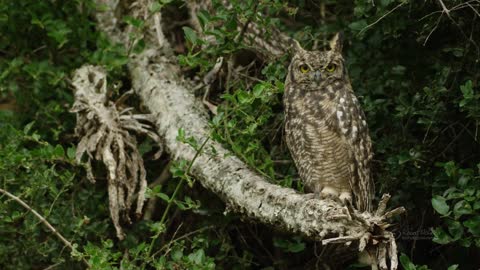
x=326 y=129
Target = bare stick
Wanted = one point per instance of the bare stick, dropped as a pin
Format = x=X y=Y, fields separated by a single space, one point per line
x=445 y=9
x=381 y=18
x=43 y=220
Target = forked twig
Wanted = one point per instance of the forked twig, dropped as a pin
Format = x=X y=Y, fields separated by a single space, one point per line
x=43 y=220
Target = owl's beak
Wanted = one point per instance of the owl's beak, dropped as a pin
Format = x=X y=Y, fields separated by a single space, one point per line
x=317 y=76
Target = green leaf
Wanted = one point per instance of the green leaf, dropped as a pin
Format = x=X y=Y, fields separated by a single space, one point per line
x=358 y=25
x=465 y=242
x=177 y=254
x=198 y=257
x=59 y=32
x=467 y=89
x=440 y=205
x=462 y=208
x=473 y=225
x=440 y=236
x=296 y=247
x=190 y=35
x=28 y=127
x=463 y=180
x=476 y=205
x=203 y=17
x=155 y=7
x=157 y=227
x=406 y=263
x=455 y=229
x=450 y=168
x=181 y=135
x=243 y=97
x=134 y=22
x=58 y=151
x=162 y=196
x=258 y=90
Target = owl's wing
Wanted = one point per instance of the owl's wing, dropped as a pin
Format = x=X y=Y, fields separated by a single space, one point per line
x=353 y=127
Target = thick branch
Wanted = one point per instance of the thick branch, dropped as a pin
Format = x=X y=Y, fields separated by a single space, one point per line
x=243 y=190
x=156 y=79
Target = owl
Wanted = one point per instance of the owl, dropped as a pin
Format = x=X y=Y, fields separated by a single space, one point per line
x=325 y=127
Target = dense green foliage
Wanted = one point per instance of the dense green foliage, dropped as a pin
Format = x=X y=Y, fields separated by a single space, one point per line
x=415 y=70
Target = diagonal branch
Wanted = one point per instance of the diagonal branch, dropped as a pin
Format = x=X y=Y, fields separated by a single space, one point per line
x=157 y=80
x=44 y=221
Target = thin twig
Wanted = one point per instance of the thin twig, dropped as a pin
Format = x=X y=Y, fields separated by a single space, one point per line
x=444 y=8
x=239 y=38
x=53 y=266
x=152 y=202
x=381 y=18
x=43 y=220
x=173 y=240
x=474 y=10
x=175 y=192
x=433 y=30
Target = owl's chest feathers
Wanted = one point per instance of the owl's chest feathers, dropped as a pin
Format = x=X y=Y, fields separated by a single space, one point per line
x=311 y=107
x=309 y=122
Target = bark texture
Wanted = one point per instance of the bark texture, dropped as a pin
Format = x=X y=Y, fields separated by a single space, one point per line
x=157 y=80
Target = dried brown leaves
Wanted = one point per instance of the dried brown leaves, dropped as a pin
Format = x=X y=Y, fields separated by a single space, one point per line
x=105 y=136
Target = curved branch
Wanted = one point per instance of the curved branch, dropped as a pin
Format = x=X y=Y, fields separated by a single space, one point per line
x=157 y=80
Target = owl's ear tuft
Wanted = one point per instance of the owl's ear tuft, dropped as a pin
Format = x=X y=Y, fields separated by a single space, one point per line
x=295 y=46
x=336 y=43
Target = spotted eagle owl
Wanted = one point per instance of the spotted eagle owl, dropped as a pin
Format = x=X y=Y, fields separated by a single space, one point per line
x=325 y=127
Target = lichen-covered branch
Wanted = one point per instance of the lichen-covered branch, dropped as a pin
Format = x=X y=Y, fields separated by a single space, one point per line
x=243 y=190
x=156 y=79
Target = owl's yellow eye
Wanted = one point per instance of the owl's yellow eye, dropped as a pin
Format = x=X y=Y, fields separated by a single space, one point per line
x=304 y=68
x=331 y=68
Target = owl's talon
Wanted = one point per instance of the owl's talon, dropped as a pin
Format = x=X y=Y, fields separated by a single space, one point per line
x=346 y=197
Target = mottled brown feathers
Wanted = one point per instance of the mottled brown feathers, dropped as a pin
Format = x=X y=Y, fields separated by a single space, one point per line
x=326 y=129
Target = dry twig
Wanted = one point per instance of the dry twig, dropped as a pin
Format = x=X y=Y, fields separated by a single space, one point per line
x=44 y=221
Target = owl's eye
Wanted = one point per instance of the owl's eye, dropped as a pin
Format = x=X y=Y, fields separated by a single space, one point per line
x=331 y=68
x=304 y=68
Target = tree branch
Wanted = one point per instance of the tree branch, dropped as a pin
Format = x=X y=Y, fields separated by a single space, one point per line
x=156 y=79
x=44 y=221
x=270 y=46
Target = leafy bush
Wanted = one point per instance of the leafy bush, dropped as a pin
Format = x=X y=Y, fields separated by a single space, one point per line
x=414 y=68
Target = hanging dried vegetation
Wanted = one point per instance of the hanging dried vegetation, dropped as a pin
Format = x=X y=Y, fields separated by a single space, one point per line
x=104 y=129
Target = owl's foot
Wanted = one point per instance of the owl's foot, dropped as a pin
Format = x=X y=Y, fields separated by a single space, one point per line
x=329 y=192
x=346 y=197
x=321 y=195
x=335 y=194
